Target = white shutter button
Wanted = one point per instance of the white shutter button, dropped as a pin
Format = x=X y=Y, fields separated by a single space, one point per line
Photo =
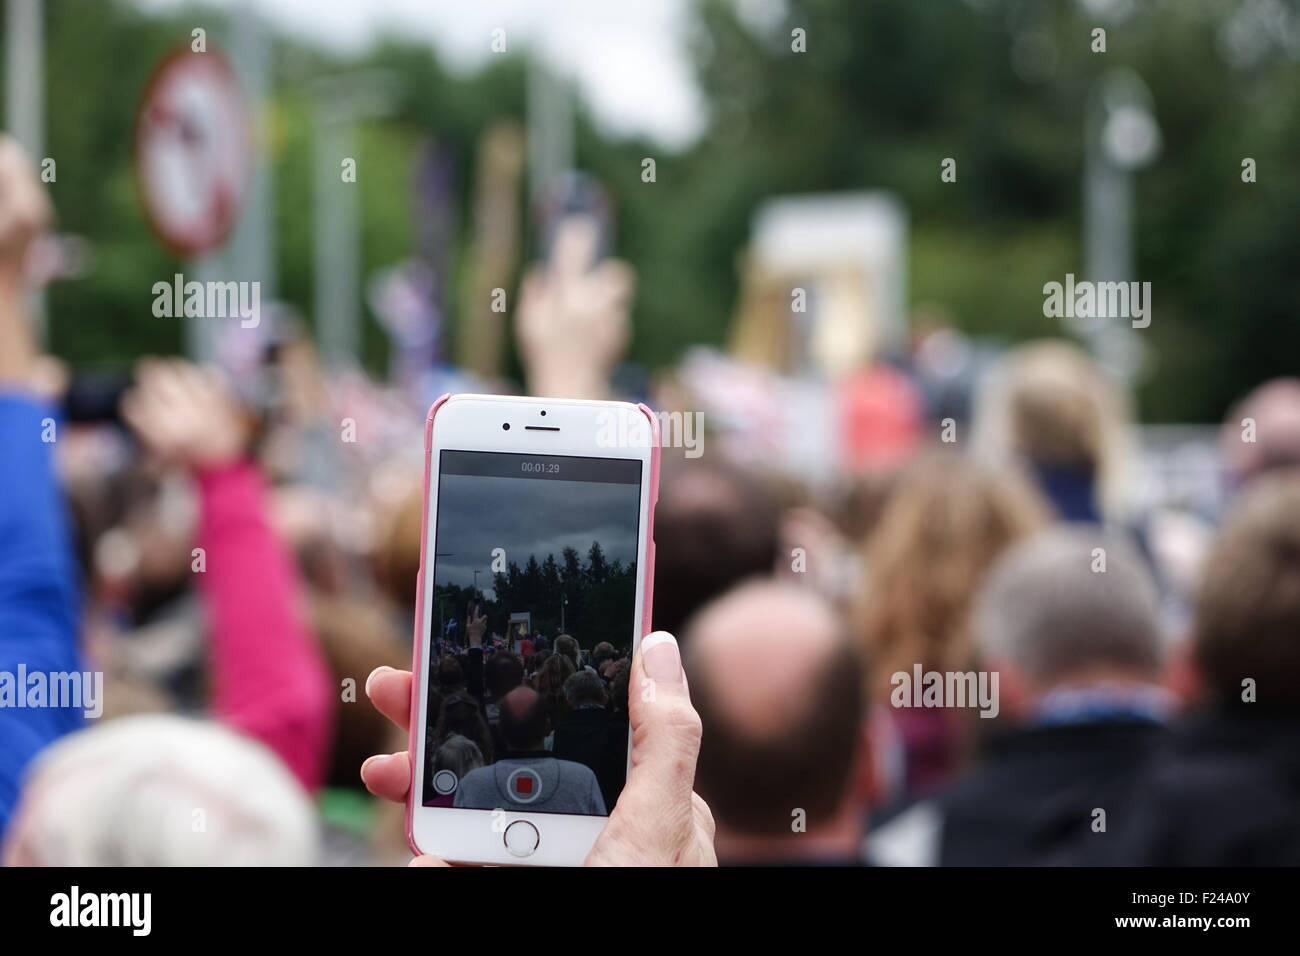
x=521 y=838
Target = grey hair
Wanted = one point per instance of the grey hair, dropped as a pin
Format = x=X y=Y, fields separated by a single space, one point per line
x=583 y=687
x=162 y=790
x=458 y=754
x=1049 y=608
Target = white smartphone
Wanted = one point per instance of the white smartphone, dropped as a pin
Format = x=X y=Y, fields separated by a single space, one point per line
x=534 y=591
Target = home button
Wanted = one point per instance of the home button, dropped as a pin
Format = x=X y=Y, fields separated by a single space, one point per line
x=521 y=838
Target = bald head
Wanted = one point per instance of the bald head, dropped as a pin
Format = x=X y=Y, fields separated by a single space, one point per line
x=1262 y=432
x=760 y=648
x=778 y=686
x=523 y=719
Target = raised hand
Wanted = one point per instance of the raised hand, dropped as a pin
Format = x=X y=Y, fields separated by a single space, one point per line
x=186 y=415
x=24 y=214
x=475 y=625
x=573 y=316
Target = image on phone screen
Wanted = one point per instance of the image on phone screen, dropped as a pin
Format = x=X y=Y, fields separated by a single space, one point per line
x=533 y=618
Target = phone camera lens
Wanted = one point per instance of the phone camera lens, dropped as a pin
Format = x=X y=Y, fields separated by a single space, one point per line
x=543 y=413
x=505 y=426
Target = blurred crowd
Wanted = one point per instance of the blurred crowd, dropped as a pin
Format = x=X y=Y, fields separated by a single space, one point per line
x=237 y=552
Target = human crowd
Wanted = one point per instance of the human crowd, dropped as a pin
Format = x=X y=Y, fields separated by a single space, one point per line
x=243 y=578
x=560 y=713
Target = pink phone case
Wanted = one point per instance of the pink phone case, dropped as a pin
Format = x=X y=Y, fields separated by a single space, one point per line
x=647 y=575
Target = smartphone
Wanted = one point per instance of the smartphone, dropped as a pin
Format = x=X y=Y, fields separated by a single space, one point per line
x=537 y=555
x=575 y=195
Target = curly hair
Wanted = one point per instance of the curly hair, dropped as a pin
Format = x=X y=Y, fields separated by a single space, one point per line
x=944 y=524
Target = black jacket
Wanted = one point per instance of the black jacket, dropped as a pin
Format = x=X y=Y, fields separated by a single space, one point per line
x=1032 y=798
x=591 y=736
x=1226 y=793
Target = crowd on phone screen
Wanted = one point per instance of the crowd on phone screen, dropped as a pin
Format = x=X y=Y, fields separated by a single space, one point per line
x=236 y=583
x=561 y=713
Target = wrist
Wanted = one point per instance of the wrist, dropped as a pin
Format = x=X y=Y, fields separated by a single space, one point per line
x=17 y=359
x=207 y=472
x=567 y=380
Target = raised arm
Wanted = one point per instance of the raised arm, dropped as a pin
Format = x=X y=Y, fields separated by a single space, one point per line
x=38 y=589
x=38 y=584
x=270 y=679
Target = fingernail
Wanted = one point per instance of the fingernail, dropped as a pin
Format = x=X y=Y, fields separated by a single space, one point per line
x=661 y=658
x=373 y=757
x=381 y=667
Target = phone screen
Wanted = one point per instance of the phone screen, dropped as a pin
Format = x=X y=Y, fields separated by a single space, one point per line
x=532 y=623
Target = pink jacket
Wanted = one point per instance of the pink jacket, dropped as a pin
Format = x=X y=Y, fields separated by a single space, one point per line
x=270 y=679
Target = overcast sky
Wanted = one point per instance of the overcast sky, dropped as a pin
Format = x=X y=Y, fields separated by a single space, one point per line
x=529 y=517
x=629 y=57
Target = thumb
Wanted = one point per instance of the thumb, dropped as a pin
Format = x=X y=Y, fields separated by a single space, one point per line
x=665 y=727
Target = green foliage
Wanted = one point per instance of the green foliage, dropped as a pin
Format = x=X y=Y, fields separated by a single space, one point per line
x=599 y=596
x=885 y=91
x=888 y=89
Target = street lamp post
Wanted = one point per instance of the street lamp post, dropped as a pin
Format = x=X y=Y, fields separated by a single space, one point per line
x=1120 y=137
x=341 y=102
x=25 y=96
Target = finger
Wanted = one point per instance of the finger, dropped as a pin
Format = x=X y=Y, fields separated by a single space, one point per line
x=141 y=415
x=148 y=373
x=212 y=379
x=427 y=860
x=209 y=388
x=390 y=691
x=576 y=242
x=532 y=290
x=134 y=410
x=170 y=405
x=201 y=399
x=166 y=385
x=617 y=281
x=146 y=367
x=190 y=382
x=665 y=727
x=388 y=775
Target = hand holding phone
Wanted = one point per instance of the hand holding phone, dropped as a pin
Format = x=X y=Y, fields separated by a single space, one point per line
x=658 y=820
x=538 y=513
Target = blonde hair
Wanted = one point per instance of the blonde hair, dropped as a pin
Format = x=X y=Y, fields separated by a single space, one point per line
x=946 y=522
x=1049 y=403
